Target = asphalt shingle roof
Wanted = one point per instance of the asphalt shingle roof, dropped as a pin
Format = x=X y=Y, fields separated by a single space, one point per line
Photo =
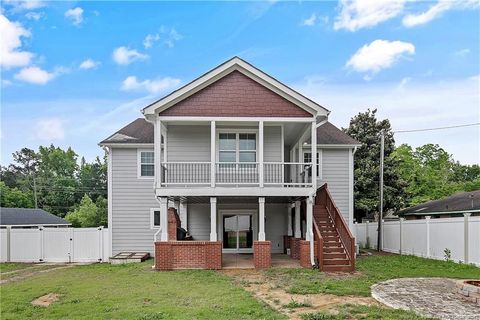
x=141 y=131
x=24 y=216
x=464 y=201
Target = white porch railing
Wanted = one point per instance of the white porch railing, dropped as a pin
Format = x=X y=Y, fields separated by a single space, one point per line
x=275 y=174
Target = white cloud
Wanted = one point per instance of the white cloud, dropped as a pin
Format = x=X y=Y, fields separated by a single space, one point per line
x=124 y=55
x=50 y=129
x=32 y=15
x=417 y=104
x=75 y=15
x=89 y=64
x=21 y=5
x=358 y=14
x=150 y=39
x=34 y=75
x=378 y=55
x=131 y=83
x=462 y=53
x=437 y=10
x=310 y=21
x=10 y=43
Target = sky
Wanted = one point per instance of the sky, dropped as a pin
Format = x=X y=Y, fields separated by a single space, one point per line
x=72 y=73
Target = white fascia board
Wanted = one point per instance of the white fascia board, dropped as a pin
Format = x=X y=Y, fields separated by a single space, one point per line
x=235 y=119
x=335 y=146
x=241 y=191
x=248 y=70
x=126 y=145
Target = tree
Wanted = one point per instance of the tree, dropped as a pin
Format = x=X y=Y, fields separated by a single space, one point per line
x=431 y=173
x=92 y=178
x=365 y=128
x=14 y=198
x=85 y=215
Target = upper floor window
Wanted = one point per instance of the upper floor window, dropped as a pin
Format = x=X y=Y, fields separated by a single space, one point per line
x=146 y=165
x=237 y=147
x=307 y=158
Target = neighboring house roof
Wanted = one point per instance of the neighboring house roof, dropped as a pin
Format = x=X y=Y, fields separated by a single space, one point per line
x=327 y=133
x=458 y=203
x=235 y=64
x=25 y=216
x=140 y=131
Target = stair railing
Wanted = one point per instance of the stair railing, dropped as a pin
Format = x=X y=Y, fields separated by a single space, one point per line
x=325 y=198
x=317 y=237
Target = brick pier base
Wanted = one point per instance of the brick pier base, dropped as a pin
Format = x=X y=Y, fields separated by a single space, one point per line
x=262 y=254
x=170 y=255
x=305 y=254
x=295 y=247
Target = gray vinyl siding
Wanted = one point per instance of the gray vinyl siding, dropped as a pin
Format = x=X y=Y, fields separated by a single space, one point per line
x=199 y=221
x=335 y=171
x=272 y=144
x=188 y=143
x=132 y=199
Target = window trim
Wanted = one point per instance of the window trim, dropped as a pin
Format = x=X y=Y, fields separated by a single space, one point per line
x=236 y=131
x=152 y=219
x=139 y=164
x=319 y=162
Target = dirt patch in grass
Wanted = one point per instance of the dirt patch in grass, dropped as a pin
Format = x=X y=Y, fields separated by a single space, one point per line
x=46 y=300
x=292 y=305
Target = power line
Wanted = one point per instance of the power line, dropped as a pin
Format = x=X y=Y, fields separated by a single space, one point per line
x=439 y=128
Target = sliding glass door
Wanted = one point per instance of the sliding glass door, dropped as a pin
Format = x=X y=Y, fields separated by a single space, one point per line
x=238 y=232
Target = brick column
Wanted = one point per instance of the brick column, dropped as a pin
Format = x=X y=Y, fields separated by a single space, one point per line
x=213 y=255
x=262 y=254
x=173 y=223
x=305 y=254
x=163 y=255
x=295 y=248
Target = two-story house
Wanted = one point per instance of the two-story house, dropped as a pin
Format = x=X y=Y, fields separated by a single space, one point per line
x=228 y=157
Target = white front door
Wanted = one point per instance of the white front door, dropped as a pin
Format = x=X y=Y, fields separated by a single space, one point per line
x=237 y=232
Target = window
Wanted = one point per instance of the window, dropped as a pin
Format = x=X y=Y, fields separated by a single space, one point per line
x=237 y=147
x=146 y=164
x=155 y=218
x=307 y=158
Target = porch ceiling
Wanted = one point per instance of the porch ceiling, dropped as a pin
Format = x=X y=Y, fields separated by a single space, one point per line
x=233 y=200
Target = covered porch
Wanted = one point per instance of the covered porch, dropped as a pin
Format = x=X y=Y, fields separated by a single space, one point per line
x=234 y=232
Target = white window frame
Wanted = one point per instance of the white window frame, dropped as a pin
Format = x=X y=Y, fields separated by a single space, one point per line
x=152 y=219
x=139 y=164
x=319 y=163
x=236 y=131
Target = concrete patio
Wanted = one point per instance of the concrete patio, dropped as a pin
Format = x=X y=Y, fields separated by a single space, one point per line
x=245 y=261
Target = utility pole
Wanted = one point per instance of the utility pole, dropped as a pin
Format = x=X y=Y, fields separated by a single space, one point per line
x=35 y=191
x=380 y=215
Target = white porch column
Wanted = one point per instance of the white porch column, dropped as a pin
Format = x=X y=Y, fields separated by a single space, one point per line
x=298 y=231
x=158 y=152
x=213 y=219
x=164 y=218
x=212 y=153
x=309 y=231
x=260 y=151
x=183 y=214
x=466 y=217
x=289 y=222
x=261 y=219
x=314 y=156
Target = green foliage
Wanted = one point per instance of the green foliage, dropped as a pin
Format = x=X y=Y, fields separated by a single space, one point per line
x=365 y=128
x=60 y=181
x=294 y=304
x=14 y=198
x=87 y=214
x=431 y=173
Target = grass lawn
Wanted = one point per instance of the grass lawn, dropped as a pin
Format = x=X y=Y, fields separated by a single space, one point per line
x=131 y=291
x=14 y=266
x=370 y=270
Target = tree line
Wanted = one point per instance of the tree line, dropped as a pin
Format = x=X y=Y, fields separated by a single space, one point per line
x=55 y=180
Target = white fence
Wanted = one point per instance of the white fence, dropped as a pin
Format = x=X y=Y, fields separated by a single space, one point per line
x=426 y=237
x=54 y=245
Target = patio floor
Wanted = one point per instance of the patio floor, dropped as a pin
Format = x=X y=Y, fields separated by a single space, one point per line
x=245 y=261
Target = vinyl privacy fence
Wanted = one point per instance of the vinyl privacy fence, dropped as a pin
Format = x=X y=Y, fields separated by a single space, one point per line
x=429 y=238
x=54 y=245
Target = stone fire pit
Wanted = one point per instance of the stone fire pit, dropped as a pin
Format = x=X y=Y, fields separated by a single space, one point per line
x=469 y=290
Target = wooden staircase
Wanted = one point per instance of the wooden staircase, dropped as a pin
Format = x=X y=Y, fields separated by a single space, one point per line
x=336 y=245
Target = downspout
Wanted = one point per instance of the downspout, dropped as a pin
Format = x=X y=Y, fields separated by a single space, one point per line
x=312 y=238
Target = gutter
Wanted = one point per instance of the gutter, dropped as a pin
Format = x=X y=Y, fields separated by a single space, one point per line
x=442 y=212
